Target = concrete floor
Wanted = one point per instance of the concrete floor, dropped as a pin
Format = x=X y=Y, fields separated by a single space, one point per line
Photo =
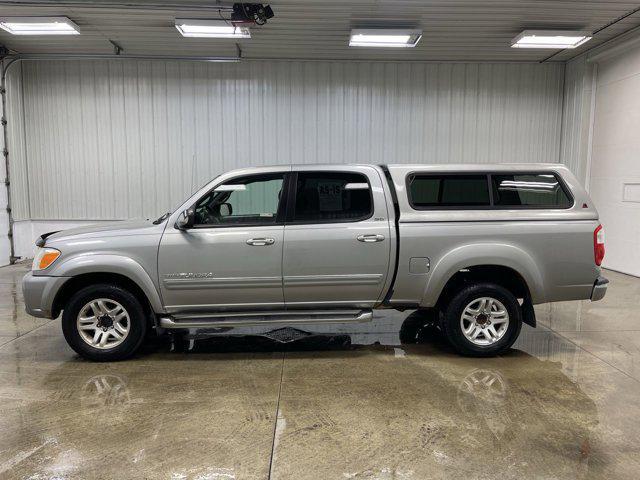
x=565 y=403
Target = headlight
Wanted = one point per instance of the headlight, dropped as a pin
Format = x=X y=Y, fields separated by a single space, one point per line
x=44 y=258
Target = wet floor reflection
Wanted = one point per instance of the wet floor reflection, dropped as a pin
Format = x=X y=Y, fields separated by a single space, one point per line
x=105 y=390
x=344 y=409
x=388 y=328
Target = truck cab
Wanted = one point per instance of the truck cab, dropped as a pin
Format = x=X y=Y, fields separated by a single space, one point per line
x=313 y=237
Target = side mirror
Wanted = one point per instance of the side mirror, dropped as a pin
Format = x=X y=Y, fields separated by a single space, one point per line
x=226 y=209
x=185 y=220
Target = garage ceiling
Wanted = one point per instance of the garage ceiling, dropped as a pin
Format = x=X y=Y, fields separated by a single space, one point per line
x=454 y=30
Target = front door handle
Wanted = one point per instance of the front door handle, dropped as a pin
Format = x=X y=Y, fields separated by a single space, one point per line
x=260 y=242
x=370 y=238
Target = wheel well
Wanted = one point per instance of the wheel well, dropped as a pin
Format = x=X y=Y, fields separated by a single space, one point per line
x=504 y=276
x=80 y=281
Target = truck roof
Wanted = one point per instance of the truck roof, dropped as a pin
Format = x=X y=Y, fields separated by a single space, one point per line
x=479 y=167
x=436 y=167
x=442 y=166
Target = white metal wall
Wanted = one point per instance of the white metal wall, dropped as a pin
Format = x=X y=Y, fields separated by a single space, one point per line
x=615 y=169
x=123 y=139
x=576 y=118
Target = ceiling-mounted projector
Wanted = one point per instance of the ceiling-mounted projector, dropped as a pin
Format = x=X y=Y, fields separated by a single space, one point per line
x=251 y=13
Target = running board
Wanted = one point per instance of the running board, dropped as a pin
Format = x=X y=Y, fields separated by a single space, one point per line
x=249 y=319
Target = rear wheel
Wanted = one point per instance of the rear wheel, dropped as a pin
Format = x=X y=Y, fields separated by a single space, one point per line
x=483 y=319
x=104 y=323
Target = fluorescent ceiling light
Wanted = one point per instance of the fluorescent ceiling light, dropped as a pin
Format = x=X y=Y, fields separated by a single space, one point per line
x=210 y=29
x=39 y=26
x=384 y=37
x=550 y=39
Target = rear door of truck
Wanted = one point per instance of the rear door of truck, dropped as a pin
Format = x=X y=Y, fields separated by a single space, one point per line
x=337 y=239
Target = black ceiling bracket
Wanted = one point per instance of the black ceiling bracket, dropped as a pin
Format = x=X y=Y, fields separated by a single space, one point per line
x=117 y=49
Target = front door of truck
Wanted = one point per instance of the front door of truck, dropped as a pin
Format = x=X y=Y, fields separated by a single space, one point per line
x=232 y=256
x=337 y=238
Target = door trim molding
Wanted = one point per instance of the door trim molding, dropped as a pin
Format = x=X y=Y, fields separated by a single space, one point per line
x=328 y=280
x=230 y=282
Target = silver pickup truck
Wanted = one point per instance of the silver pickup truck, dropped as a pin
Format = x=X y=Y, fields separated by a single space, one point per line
x=472 y=246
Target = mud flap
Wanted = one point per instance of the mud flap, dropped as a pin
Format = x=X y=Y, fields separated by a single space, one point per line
x=528 y=313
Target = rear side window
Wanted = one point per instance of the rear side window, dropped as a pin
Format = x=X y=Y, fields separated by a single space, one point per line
x=332 y=197
x=428 y=191
x=529 y=190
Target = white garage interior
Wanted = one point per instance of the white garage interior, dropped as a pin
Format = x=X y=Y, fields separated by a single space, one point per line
x=137 y=137
x=128 y=118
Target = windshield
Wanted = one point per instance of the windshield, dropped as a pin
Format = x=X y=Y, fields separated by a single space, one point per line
x=164 y=216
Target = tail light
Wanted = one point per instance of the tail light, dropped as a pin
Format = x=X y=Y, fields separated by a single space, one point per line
x=598 y=244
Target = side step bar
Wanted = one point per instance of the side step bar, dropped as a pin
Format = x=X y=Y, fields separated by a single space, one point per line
x=250 y=319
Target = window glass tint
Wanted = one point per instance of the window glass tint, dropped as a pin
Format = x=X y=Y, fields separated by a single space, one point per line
x=332 y=196
x=448 y=191
x=531 y=190
x=251 y=200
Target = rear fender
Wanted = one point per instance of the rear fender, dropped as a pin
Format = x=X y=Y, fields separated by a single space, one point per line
x=465 y=256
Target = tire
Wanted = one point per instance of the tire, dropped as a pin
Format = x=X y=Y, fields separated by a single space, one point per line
x=418 y=325
x=102 y=307
x=487 y=342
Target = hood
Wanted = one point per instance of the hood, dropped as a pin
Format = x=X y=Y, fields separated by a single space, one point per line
x=103 y=230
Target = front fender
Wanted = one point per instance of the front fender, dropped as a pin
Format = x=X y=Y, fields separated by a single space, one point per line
x=111 y=263
x=505 y=255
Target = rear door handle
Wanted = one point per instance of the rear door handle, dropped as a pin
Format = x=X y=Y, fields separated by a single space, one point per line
x=260 y=242
x=370 y=238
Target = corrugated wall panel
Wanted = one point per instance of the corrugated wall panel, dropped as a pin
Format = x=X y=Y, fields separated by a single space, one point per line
x=18 y=167
x=574 y=145
x=125 y=139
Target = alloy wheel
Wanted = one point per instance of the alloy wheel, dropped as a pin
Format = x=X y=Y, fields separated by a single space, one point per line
x=484 y=321
x=103 y=323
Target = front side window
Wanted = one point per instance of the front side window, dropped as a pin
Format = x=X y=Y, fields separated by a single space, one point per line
x=251 y=200
x=428 y=191
x=332 y=197
x=529 y=190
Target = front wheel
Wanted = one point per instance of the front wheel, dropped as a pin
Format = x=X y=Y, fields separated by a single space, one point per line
x=104 y=323
x=482 y=320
